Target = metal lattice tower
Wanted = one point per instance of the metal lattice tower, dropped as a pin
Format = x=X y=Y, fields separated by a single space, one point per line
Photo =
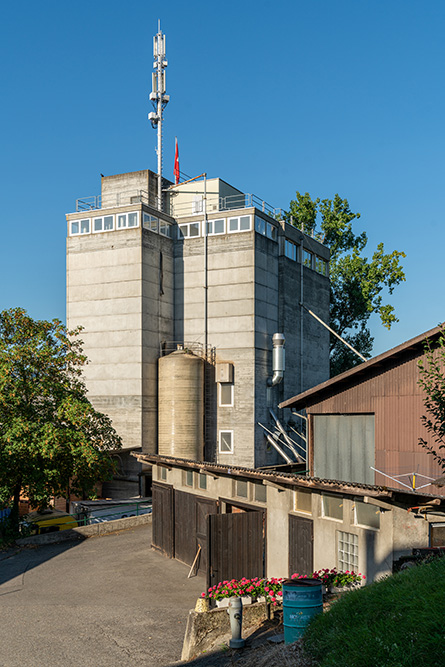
x=159 y=99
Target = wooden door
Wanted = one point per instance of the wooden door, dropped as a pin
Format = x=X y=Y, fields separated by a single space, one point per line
x=236 y=546
x=203 y=508
x=301 y=542
x=163 y=519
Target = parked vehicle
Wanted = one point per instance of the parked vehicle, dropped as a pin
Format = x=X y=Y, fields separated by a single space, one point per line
x=419 y=555
x=48 y=520
x=97 y=511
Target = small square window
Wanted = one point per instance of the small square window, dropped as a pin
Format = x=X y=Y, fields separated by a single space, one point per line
x=226 y=394
x=84 y=226
x=226 y=442
x=303 y=501
x=122 y=221
x=150 y=222
x=332 y=507
x=183 y=231
x=165 y=228
x=75 y=227
x=241 y=488
x=233 y=224
x=290 y=250
x=271 y=232
x=133 y=219
x=260 y=225
x=244 y=223
x=202 y=481
x=219 y=226
x=108 y=223
x=367 y=515
x=321 y=266
x=194 y=229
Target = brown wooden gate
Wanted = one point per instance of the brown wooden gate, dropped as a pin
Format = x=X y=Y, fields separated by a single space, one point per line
x=191 y=527
x=163 y=519
x=236 y=546
x=301 y=541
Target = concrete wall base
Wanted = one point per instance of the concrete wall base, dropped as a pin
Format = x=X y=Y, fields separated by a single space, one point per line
x=83 y=532
x=206 y=631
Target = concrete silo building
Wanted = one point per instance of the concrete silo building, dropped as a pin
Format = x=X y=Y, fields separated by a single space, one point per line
x=214 y=275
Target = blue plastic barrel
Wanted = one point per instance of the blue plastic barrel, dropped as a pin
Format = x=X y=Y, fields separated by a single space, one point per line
x=302 y=599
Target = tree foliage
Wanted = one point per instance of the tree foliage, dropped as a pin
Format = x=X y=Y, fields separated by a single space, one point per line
x=51 y=438
x=432 y=381
x=357 y=283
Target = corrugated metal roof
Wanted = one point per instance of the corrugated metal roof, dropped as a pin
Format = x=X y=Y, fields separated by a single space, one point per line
x=355 y=375
x=333 y=485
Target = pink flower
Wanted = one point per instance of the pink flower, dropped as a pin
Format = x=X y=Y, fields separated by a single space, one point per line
x=203 y=595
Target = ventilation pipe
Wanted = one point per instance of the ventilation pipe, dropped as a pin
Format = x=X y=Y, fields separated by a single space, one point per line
x=278 y=364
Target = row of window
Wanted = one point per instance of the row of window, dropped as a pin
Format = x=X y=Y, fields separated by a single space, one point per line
x=240 y=223
x=292 y=251
x=332 y=508
x=109 y=223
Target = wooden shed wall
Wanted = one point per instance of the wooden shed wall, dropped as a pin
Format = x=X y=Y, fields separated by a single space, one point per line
x=393 y=395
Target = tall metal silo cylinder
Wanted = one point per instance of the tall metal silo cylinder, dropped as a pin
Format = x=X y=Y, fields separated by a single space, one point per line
x=181 y=406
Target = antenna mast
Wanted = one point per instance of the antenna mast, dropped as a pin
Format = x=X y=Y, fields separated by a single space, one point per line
x=159 y=99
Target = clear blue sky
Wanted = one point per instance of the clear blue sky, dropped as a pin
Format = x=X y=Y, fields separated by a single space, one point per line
x=322 y=96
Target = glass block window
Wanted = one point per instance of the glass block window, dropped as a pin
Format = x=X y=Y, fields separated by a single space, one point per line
x=104 y=224
x=226 y=442
x=290 y=250
x=202 y=481
x=307 y=258
x=303 y=501
x=367 y=515
x=321 y=266
x=216 y=227
x=241 y=488
x=347 y=551
x=332 y=507
x=260 y=493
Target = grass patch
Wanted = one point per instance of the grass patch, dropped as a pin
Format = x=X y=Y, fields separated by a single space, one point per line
x=397 y=622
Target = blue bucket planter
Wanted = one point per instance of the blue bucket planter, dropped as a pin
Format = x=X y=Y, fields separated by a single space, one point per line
x=302 y=599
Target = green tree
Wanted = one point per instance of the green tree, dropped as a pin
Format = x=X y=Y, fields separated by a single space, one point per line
x=357 y=283
x=432 y=381
x=51 y=438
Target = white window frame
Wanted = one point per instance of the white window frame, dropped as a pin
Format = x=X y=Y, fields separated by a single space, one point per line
x=212 y=222
x=198 y=205
x=151 y=223
x=79 y=222
x=220 y=403
x=347 y=558
x=238 y=230
x=163 y=224
x=102 y=217
x=125 y=215
x=186 y=226
x=220 y=433
x=365 y=525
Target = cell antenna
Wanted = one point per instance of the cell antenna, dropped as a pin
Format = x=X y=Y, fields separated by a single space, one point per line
x=159 y=99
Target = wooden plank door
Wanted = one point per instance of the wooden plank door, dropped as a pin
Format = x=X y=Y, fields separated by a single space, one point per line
x=236 y=546
x=301 y=543
x=163 y=519
x=203 y=508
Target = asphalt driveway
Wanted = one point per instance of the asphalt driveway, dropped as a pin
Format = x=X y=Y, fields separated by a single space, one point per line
x=104 y=601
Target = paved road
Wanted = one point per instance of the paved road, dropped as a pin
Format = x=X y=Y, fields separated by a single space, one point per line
x=106 y=601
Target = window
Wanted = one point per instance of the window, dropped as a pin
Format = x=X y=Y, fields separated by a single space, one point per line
x=226 y=394
x=271 y=231
x=150 y=222
x=347 y=551
x=188 y=478
x=260 y=225
x=332 y=507
x=198 y=204
x=127 y=220
x=260 y=493
x=226 y=442
x=321 y=266
x=303 y=501
x=241 y=488
x=202 y=481
x=80 y=227
x=188 y=230
x=241 y=224
x=367 y=515
x=165 y=228
x=104 y=224
x=290 y=250
x=162 y=473
x=216 y=227
x=307 y=258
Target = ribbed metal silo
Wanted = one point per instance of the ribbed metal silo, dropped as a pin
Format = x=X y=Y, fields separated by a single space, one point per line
x=181 y=406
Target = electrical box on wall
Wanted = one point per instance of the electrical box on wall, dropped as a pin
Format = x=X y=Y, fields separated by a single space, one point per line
x=224 y=372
